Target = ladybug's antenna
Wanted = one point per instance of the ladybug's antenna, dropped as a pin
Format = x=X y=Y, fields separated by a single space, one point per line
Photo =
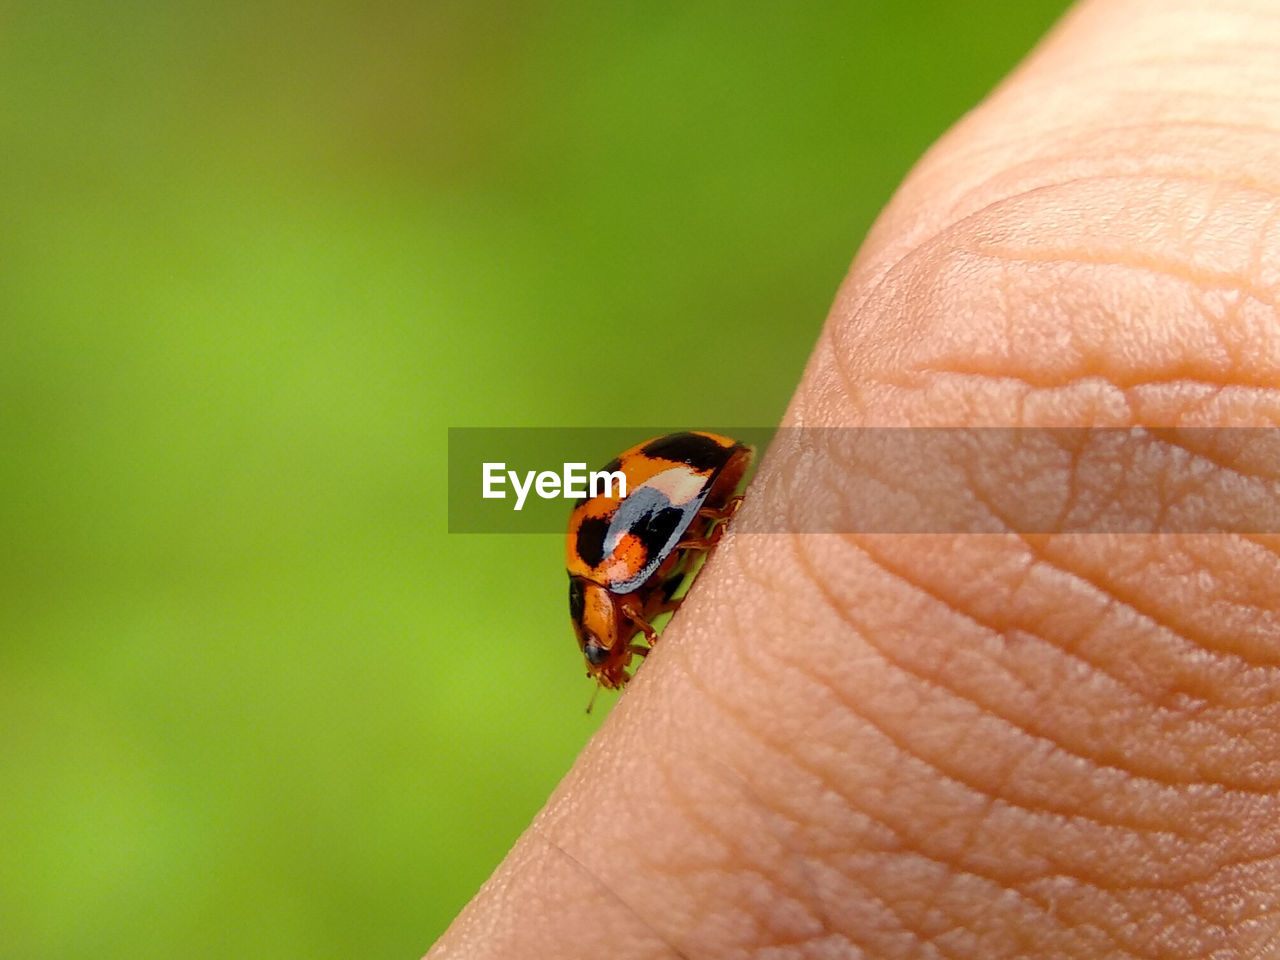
x=592 y=702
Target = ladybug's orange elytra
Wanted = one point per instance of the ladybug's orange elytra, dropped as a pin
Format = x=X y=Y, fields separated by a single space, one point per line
x=628 y=556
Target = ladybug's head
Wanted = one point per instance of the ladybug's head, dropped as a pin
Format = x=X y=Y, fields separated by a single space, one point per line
x=605 y=646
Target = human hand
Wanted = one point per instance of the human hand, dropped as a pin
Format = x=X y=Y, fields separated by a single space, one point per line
x=973 y=746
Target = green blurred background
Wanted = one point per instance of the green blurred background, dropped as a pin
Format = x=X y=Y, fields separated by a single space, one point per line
x=255 y=258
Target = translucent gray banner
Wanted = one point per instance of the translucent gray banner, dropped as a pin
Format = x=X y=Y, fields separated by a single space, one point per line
x=907 y=480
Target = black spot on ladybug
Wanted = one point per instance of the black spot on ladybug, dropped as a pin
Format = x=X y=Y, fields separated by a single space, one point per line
x=657 y=529
x=648 y=516
x=612 y=466
x=591 y=533
x=576 y=600
x=701 y=453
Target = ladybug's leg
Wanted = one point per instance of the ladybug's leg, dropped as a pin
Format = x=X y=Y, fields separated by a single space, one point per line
x=714 y=516
x=722 y=513
x=702 y=543
x=650 y=634
x=670 y=606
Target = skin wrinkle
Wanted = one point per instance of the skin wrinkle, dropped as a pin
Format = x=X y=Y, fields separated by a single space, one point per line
x=763 y=810
x=1208 y=394
x=536 y=829
x=648 y=918
x=1189 y=235
x=865 y=469
x=1264 y=547
x=1206 y=278
x=1235 y=632
x=1260 y=396
x=1160 y=438
x=1073 y=489
x=1091 y=144
x=1222 y=911
x=1028 y=178
x=870 y=892
x=873 y=282
x=1264 y=542
x=905 y=842
x=1234 y=659
x=730 y=839
x=846 y=374
x=1158 y=267
x=924 y=250
x=1264 y=231
x=1071 y=654
x=951 y=775
x=1073 y=813
x=1068 y=646
x=950 y=869
x=1132 y=825
x=1217 y=324
x=1094 y=883
x=926 y=939
x=1107 y=590
x=1255 y=859
x=723 y=705
x=944 y=600
x=798 y=857
x=914 y=379
x=1242 y=279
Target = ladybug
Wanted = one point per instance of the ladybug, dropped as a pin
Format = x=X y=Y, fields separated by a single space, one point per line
x=629 y=555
